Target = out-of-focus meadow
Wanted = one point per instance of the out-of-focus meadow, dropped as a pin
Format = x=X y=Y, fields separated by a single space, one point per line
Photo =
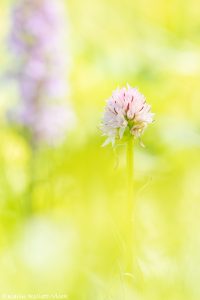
x=72 y=242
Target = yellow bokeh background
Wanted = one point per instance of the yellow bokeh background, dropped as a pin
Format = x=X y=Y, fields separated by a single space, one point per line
x=73 y=242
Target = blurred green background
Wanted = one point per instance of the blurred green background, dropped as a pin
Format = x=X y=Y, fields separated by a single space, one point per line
x=73 y=242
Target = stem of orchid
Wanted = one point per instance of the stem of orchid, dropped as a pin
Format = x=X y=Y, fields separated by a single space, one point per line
x=130 y=174
x=130 y=205
x=30 y=188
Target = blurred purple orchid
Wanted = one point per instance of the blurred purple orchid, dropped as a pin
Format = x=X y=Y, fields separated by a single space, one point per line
x=37 y=41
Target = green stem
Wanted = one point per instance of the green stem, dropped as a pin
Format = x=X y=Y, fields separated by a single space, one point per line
x=30 y=189
x=130 y=207
x=130 y=174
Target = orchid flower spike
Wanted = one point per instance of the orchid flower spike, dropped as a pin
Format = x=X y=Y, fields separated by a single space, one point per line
x=37 y=42
x=126 y=115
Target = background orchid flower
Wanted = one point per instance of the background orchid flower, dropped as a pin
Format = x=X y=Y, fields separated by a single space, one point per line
x=37 y=41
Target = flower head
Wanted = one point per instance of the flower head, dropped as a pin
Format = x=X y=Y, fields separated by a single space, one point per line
x=126 y=114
